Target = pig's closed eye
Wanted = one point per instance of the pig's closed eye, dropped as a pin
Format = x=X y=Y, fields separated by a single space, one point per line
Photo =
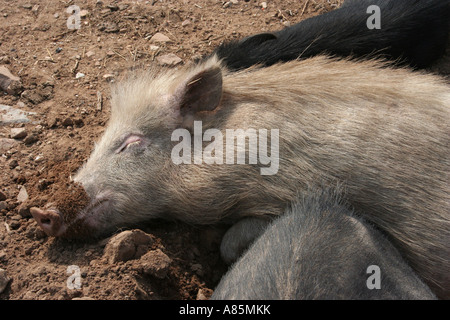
x=130 y=142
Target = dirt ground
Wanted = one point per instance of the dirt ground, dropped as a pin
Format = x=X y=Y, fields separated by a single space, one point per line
x=66 y=76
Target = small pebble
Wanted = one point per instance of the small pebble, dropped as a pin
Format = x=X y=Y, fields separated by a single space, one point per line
x=23 y=195
x=31 y=139
x=67 y=122
x=159 y=37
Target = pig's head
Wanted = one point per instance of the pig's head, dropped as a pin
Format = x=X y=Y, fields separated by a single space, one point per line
x=128 y=174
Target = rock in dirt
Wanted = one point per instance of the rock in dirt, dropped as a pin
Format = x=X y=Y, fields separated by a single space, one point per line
x=168 y=60
x=155 y=263
x=10 y=115
x=67 y=122
x=160 y=37
x=29 y=140
x=84 y=13
x=8 y=82
x=127 y=245
x=186 y=23
x=23 y=195
x=4 y=280
x=2 y=196
x=18 y=133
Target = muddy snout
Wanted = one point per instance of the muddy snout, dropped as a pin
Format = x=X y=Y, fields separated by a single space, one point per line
x=50 y=220
x=66 y=207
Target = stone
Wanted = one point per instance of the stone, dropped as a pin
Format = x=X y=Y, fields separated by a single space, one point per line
x=125 y=245
x=8 y=82
x=31 y=139
x=23 y=195
x=168 y=59
x=84 y=13
x=10 y=115
x=18 y=133
x=67 y=122
x=160 y=37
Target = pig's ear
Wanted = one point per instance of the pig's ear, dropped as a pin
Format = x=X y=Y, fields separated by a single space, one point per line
x=257 y=39
x=202 y=92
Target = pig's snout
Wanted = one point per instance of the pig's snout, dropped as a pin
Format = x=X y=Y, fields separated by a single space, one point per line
x=50 y=221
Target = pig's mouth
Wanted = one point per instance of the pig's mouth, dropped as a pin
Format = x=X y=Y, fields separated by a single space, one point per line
x=85 y=224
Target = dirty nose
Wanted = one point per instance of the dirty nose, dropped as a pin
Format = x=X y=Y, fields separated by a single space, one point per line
x=49 y=220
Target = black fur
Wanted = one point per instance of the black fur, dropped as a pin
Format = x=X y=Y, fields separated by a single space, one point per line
x=413 y=32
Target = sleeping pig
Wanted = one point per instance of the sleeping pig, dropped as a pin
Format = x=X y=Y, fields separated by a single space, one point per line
x=176 y=148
